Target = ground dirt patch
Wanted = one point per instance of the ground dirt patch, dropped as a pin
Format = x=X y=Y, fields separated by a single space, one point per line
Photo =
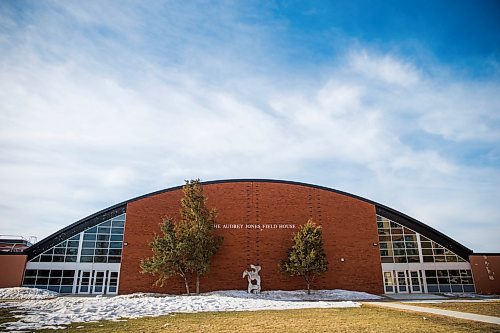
x=6 y=316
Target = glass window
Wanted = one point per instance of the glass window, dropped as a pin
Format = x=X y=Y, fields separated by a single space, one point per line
x=71 y=251
x=92 y=230
x=101 y=237
x=116 y=238
x=383 y=231
x=401 y=243
x=411 y=245
x=59 y=250
x=54 y=281
x=56 y=273
x=46 y=258
x=410 y=238
x=431 y=280
x=103 y=230
x=398 y=245
x=408 y=231
x=117 y=231
x=29 y=281
x=86 y=259
x=90 y=237
x=433 y=288
x=397 y=231
x=99 y=259
x=444 y=288
x=102 y=245
x=66 y=289
x=68 y=273
x=30 y=272
x=426 y=245
x=118 y=224
x=88 y=244
x=412 y=252
x=413 y=259
x=399 y=252
x=101 y=252
x=41 y=281
x=443 y=280
x=87 y=251
x=469 y=288
x=119 y=218
x=439 y=258
x=73 y=244
x=438 y=251
x=397 y=238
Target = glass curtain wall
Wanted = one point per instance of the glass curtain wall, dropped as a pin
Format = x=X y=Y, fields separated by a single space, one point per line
x=85 y=263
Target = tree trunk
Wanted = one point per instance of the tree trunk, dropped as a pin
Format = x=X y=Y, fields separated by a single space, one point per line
x=186 y=283
x=308 y=285
x=198 y=283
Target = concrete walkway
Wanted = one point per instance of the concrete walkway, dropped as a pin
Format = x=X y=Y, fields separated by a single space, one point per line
x=448 y=313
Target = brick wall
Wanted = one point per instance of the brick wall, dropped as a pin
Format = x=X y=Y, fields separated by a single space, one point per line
x=13 y=276
x=486 y=272
x=349 y=232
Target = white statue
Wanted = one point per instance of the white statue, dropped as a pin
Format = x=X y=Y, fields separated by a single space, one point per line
x=253 y=275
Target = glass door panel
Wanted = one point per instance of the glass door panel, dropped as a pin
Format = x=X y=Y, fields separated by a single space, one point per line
x=402 y=282
x=415 y=282
x=98 y=282
x=84 y=282
x=389 y=282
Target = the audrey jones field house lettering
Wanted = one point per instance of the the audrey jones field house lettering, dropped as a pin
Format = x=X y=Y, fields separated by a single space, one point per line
x=368 y=246
x=254 y=226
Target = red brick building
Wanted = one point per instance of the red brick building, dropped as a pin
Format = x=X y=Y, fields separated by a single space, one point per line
x=370 y=247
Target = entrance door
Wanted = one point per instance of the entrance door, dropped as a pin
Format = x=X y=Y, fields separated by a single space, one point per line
x=98 y=282
x=389 y=283
x=91 y=282
x=84 y=285
x=402 y=282
x=415 y=282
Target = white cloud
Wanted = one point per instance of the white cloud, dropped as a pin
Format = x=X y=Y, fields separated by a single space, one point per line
x=77 y=134
x=384 y=68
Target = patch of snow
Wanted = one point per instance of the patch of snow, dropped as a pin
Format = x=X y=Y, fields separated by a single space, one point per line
x=57 y=312
x=301 y=295
x=463 y=295
x=23 y=293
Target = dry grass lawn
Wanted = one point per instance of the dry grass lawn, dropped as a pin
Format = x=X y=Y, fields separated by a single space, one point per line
x=484 y=308
x=365 y=319
x=5 y=316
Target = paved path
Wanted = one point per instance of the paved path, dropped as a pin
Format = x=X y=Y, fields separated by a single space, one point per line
x=448 y=313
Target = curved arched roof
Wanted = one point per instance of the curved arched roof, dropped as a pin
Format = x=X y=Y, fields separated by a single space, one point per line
x=120 y=208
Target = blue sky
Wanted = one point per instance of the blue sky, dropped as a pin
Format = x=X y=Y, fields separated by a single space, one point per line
x=397 y=101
